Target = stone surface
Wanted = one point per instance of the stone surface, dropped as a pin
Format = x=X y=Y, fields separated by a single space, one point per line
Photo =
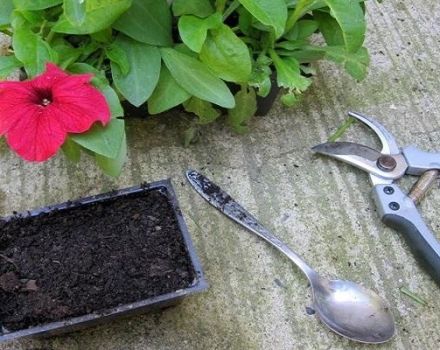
x=320 y=207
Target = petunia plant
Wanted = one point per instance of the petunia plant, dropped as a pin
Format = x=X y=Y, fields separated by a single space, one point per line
x=83 y=60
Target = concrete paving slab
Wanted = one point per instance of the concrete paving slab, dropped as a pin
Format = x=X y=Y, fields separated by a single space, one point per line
x=320 y=207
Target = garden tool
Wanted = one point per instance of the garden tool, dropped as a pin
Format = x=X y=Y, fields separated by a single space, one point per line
x=396 y=209
x=347 y=308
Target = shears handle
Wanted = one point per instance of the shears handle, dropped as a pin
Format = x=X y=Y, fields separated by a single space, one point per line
x=399 y=212
x=420 y=161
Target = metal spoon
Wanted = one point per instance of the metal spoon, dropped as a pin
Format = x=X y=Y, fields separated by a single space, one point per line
x=345 y=307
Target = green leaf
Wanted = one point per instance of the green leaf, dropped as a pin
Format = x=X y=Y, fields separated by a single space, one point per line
x=67 y=54
x=103 y=140
x=100 y=14
x=167 y=93
x=289 y=74
x=75 y=11
x=6 y=8
x=103 y=36
x=99 y=78
x=302 y=29
x=193 y=30
x=32 y=51
x=245 y=108
x=147 y=21
x=144 y=62
x=191 y=135
x=33 y=19
x=260 y=76
x=292 y=45
x=289 y=99
x=307 y=55
x=182 y=48
x=196 y=78
x=101 y=82
x=308 y=69
x=272 y=13
x=355 y=63
x=119 y=57
x=349 y=15
x=7 y=65
x=329 y=27
x=203 y=109
x=18 y=21
x=71 y=150
x=245 y=21
x=199 y=8
x=227 y=55
x=35 y=4
x=113 y=166
x=112 y=100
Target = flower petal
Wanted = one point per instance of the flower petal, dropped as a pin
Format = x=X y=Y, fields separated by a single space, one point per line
x=14 y=96
x=79 y=104
x=51 y=75
x=37 y=135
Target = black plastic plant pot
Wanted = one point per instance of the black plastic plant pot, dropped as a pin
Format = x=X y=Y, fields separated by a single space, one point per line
x=86 y=262
x=264 y=104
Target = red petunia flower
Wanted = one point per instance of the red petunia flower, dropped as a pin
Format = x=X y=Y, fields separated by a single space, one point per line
x=36 y=115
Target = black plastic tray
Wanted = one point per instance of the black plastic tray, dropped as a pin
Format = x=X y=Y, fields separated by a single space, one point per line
x=142 y=306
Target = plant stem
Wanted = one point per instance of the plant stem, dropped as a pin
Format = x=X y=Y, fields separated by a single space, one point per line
x=414 y=297
x=220 y=5
x=267 y=40
x=342 y=129
x=43 y=25
x=273 y=55
x=100 y=60
x=50 y=36
x=232 y=7
x=294 y=16
x=290 y=22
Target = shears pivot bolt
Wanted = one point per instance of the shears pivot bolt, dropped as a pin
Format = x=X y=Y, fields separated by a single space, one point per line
x=386 y=163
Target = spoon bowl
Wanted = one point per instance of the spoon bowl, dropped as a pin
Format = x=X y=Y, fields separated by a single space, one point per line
x=352 y=311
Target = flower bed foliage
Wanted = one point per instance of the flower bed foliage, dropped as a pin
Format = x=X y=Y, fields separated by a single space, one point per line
x=169 y=53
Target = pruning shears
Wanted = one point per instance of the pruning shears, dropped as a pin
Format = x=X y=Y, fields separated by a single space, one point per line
x=397 y=209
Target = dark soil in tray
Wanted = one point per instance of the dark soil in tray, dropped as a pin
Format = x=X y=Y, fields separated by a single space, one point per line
x=89 y=258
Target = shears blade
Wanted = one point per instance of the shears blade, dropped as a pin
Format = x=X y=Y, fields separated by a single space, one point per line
x=389 y=144
x=348 y=150
x=361 y=157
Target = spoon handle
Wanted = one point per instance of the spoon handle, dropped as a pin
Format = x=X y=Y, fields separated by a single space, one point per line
x=228 y=206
